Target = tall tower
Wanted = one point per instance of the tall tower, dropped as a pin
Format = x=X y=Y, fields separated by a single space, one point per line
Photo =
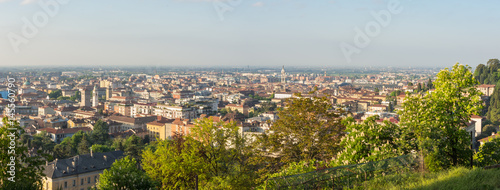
x=86 y=95
x=95 y=100
x=283 y=75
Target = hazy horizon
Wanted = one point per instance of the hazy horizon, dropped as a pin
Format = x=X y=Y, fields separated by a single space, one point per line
x=234 y=33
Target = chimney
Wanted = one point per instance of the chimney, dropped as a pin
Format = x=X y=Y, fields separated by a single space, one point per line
x=91 y=153
x=67 y=169
x=46 y=162
x=105 y=158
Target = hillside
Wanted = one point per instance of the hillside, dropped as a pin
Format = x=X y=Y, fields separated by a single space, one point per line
x=456 y=178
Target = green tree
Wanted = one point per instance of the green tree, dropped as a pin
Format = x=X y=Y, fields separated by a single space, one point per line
x=438 y=120
x=370 y=141
x=174 y=164
x=214 y=153
x=19 y=170
x=488 y=154
x=55 y=94
x=63 y=149
x=225 y=154
x=83 y=146
x=307 y=128
x=101 y=148
x=100 y=133
x=133 y=147
x=429 y=84
x=493 y=113
x=124 y=174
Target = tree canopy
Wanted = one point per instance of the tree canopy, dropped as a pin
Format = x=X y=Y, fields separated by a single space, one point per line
x=438 y=119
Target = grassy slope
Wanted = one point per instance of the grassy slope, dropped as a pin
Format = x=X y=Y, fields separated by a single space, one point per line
x=456 y=178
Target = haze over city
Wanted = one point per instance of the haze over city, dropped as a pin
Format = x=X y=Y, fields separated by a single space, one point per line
x=240 y=33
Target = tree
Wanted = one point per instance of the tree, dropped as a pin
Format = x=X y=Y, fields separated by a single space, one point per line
x=307 y=128
x=174 y=164
x=429 y=84
x=133 y=147
x=100 y=133
x=55 y=94
x=83 y=146
x=214 y=153
x=438 y=120
x=493 y=113
x=124 y=174
x=63 y=149
x=225 y=154
x=19 y=169
x=370 y=141
x=376 y=90
x=101 y=148
x=488 y=153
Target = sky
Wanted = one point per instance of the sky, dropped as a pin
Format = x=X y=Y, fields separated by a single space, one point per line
x=241 y=33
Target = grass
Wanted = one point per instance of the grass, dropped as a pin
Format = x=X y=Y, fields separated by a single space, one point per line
x=456 y=178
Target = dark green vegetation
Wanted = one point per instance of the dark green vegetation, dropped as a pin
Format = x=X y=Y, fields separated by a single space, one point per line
x=488 y=74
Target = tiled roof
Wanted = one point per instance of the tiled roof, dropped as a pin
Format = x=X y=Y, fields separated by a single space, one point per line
x=82 y=164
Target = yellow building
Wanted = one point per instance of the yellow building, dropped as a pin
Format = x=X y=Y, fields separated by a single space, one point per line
x=160 y=129
x=78 y=172
x=76 y=123
x=240 y=108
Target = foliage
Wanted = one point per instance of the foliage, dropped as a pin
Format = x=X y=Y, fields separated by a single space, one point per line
x=124 y=174
x=83 y=146
x=493 y=113
x=55 y=94
x=214 y=153
x=14 y=156
x=100 y=134
x=101 y=148
x=438 y=119
x=488 y=154
x=175 y=163
x=488 y=74
x=454 y=178
x=370 y=141
x=224 y=153
x=133 y=147
x=307 y=129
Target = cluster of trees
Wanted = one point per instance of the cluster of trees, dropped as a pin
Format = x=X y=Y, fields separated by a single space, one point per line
x=57 y=94
x=488 y=74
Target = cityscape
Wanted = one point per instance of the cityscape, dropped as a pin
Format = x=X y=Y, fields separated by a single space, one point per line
x=251 y=95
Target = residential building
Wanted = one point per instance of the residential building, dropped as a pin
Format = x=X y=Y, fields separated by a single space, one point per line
x=78 y=172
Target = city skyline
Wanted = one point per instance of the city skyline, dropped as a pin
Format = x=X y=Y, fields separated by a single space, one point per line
x=204 y=33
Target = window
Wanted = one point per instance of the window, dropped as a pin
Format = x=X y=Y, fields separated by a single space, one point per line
x=81 y=183
x=95 y=179
x=74 y=183
x=88 y=180
x=65 y=184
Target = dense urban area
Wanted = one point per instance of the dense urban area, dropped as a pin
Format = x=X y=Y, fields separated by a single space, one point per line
x=248 y=128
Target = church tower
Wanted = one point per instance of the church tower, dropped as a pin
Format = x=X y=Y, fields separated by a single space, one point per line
x=95 y=100
x=283 y=75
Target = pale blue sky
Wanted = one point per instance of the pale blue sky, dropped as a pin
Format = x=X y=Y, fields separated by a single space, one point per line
x=256 y=33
